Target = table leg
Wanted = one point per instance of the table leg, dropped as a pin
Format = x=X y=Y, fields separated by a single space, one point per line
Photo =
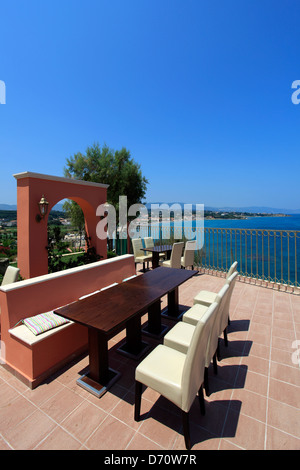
x=154 y=326
x=100 y=377
x=173 y=309
x=133 y=346
x=155 y=259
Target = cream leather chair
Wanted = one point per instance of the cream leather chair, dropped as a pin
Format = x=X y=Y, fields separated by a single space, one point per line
x=206 y=297
x=177 y=376
x=11 y=275
x=149 y=243
x=189 y=253
x=225 y=313
x=140 y=256
x=179 y=337
x=175 y=258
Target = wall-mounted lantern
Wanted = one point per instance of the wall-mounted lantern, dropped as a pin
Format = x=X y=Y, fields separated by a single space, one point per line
x=43 y=208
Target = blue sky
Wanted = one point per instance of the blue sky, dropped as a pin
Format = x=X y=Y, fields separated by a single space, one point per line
x=199 y=92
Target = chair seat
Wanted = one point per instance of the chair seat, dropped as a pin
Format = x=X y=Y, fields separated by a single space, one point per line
x=143 y=258
x=194 y=314
x=162 y=371
x=205 y=297
x=166 y=263
x=179 y=337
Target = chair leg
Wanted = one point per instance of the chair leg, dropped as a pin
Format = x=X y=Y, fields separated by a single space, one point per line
x=215 y=363
x=201 y=400
x=186 y=429
x=218 y=351
x=206 y=381
x=225 y=337
x=138 y=398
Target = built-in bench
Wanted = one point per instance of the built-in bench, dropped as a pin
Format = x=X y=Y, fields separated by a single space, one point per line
x=32 y=357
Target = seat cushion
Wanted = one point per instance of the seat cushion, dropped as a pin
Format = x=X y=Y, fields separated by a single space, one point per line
x=194 y=314
x=142 y=259
x=43 y=322
x=166 y=263
x=179 y=337
x=205 y=297
x=162 y=370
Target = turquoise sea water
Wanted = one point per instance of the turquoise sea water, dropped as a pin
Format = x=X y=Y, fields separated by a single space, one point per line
x=265 y=247
x=268 y=223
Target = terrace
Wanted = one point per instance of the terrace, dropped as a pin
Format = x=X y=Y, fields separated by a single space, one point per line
x=254 y=400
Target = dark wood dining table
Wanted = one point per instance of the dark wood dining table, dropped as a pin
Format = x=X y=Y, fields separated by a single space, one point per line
x=156 y=251
x=121 y=307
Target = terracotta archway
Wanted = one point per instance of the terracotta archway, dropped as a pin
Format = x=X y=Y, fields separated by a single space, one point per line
x=32 y=235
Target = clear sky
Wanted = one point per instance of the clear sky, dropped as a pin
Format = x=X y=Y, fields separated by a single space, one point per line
x=198 y=91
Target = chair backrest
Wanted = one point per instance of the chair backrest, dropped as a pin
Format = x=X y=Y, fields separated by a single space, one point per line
x=232 y=269
x=137 y=246
x=189 y=253
x=225 y=312
x=11 y=275
x=194 y=365
x=215 y=331
x=149 y=243
x=175 y=258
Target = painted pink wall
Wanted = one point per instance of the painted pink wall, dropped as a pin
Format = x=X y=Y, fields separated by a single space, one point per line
x=41 y=294
x=32 y=235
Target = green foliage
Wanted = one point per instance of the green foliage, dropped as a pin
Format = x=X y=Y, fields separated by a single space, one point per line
x=116 y=168
x=74 y=212
x=56 y=249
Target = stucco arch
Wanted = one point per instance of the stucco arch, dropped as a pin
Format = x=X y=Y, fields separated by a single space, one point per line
x=32 y=235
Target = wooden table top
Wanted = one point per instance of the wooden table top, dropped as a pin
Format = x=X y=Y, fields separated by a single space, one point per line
x=109 y=310
x=159 y=248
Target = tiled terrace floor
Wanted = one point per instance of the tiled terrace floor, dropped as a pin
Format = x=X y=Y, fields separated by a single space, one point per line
x=254 y=404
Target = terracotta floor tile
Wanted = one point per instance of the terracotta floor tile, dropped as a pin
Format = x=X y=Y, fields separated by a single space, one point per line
x=244 y=431
x=250 y=404
x=283 y=357
x=44 y=392
x=29 y=432
x=111 y=434
x=253 y=404
x=285 y=373
x=284 y=417
x=140 y=442
x=252 y=381
x=22 y=408
x=61 y=404
x=82 y=422
x=59 y=439
x=161 y=426
x=284 y=392
x=278 y=440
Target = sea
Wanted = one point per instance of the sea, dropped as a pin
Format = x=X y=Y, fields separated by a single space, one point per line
x=291 y=222
x=266 y=247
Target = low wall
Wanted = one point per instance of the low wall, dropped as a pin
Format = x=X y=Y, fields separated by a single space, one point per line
x=35 y=362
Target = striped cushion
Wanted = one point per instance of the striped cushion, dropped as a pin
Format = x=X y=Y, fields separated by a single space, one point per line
x=44 y=322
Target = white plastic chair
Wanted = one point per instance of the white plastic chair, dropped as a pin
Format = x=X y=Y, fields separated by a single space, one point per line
x=177 y=376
